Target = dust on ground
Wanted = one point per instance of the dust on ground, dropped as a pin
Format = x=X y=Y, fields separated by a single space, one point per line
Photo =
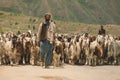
x=67 y=72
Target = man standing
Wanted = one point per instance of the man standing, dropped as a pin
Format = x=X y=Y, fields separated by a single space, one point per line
x=102 y=31
x=45 y=36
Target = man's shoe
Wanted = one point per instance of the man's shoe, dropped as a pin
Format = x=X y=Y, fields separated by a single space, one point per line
x=47 y=67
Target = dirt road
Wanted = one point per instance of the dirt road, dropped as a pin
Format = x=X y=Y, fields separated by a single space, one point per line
x=68 y=72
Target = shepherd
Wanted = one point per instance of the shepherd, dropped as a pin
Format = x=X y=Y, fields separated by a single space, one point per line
x=45 y=36
x=102 y=31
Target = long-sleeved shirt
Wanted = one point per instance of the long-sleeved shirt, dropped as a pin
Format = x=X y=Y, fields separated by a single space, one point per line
x=46 y=31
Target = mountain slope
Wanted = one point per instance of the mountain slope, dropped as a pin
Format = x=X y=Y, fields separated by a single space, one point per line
x=85 y=11
x=17 y=22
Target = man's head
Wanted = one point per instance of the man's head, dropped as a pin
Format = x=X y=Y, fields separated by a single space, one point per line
x=47 y=17
x=101 y=26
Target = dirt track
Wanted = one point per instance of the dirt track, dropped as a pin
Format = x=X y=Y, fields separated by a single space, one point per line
x=68 y=72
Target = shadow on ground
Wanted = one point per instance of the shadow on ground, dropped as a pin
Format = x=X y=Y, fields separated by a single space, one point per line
x=54 y=78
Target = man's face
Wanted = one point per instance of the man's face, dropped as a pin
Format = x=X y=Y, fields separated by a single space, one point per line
x=47 y=17
x=101 y=27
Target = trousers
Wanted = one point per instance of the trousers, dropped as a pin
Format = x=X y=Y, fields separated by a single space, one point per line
x=46 y=49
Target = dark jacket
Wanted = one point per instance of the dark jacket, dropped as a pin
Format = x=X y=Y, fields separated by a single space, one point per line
x=102 y=32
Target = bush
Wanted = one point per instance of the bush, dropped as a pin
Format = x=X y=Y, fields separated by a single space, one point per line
x=1 y=13
x=16 y=23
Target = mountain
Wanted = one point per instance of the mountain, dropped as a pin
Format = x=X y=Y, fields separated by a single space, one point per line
x=84 y=11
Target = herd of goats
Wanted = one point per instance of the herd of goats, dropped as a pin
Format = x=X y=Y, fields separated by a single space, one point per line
x=83 y=49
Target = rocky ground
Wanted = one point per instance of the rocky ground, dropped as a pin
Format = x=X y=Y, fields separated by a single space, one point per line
x=67 y=72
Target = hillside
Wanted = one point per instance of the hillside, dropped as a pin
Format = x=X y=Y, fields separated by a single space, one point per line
x=84 y=11
x=17 y=22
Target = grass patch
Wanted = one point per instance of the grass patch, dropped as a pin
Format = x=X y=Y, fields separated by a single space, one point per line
x=23 y=23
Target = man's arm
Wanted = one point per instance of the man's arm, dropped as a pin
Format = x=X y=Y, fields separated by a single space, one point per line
x=54 y=27
x=52 y=32
x=99 y=32
x=39 y=32
x=104 y=31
